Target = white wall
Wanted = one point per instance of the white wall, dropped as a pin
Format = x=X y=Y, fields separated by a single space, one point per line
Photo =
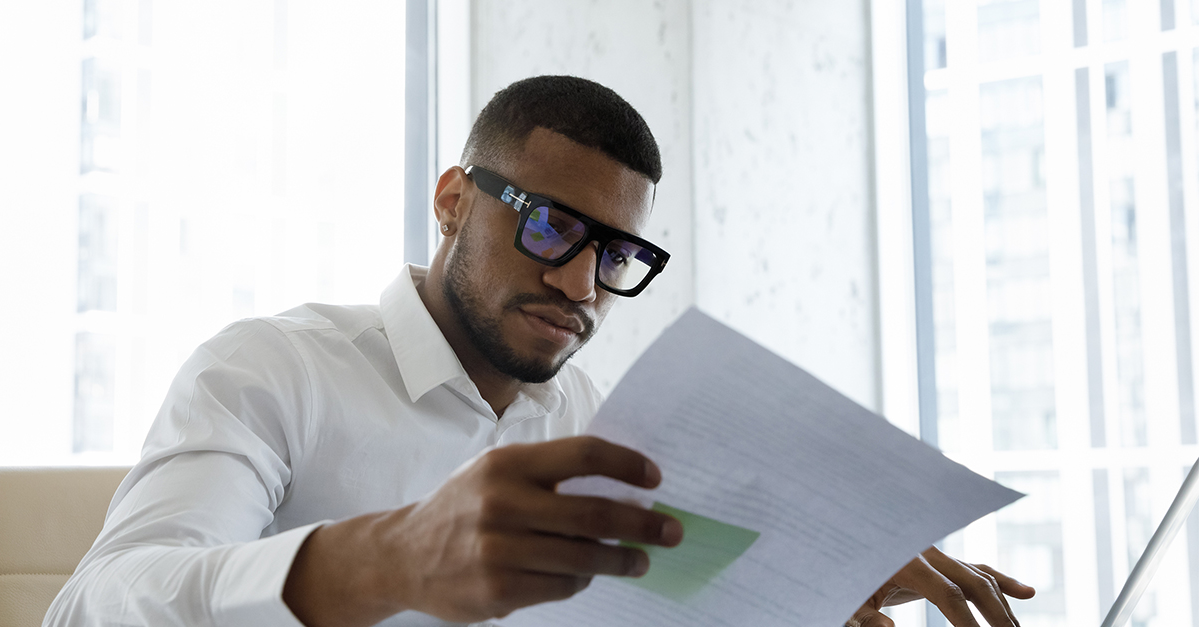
x=642 y=51
x=784 y=216
x=762 y=111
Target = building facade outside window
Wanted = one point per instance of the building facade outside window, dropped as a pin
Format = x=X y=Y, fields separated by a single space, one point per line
x=234 y=159
x=1061 y=140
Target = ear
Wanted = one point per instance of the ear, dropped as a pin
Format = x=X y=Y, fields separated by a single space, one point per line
x=449 y=206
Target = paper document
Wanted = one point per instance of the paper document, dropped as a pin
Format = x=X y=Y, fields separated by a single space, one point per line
x=797 y=503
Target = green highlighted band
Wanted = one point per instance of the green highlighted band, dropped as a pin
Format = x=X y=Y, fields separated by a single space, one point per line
x=708 y=547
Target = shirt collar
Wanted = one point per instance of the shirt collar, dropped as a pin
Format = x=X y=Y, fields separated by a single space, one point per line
x=426 y=360
x=423 y=355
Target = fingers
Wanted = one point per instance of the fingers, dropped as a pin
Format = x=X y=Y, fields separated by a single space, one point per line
x=496 y=536
x=1008 y=585
x=562 y=556
x=595 y=517
x=998 y=593
x=516 y=589
x=868 y=616
x=949 y=598
x=978 y=586
x=548 y=463
x=523 y=507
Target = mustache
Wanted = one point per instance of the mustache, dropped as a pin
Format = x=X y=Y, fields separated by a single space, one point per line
x=564 y=304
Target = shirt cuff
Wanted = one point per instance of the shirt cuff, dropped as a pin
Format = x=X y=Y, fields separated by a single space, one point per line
x=249 y=590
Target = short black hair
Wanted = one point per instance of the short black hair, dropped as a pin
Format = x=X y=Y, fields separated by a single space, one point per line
x=583 y=111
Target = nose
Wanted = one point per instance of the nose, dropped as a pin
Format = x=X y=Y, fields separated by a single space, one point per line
x=576 y=279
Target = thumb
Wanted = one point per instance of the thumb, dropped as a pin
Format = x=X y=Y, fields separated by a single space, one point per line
x=868 y=616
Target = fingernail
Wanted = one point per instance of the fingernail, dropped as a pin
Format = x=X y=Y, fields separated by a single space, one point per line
x=672 y=532
x=653 y=474
x=641 y=564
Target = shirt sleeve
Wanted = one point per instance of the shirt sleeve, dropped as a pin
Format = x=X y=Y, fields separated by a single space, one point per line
x=181 y=543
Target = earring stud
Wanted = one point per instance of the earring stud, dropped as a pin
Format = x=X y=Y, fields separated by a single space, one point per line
x=445 y=228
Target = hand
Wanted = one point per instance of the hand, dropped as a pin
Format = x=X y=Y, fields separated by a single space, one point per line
x=949 y=584
x=495 y=537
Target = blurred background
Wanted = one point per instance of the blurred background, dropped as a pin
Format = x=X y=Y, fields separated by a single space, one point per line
x=976 y=217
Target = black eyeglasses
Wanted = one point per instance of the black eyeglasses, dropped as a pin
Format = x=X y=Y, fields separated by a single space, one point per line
x=552 y=233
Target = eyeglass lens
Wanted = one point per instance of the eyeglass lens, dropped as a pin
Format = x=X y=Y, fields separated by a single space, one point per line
x=550 y=234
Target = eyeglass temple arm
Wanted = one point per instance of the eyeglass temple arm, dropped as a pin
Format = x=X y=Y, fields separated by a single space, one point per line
x=499 y=188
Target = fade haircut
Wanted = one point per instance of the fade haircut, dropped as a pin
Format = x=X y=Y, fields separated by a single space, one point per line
x=583 y=111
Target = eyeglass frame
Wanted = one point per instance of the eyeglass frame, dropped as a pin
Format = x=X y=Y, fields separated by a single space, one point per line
x=524 y=203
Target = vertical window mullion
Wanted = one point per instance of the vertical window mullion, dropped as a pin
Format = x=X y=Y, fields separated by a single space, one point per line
x=922 y=255
x=419 y=140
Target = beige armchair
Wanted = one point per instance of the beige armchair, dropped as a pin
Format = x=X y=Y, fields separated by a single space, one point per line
x=49 y=518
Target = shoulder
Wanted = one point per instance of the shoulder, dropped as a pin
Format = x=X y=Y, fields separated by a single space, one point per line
x=300 y=325
x=283 y=346
x=346 y=320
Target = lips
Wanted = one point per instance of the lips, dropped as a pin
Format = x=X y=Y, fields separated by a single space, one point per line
x=555 y=317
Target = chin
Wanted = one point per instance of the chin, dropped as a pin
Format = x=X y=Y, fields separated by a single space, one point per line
x=532 y=369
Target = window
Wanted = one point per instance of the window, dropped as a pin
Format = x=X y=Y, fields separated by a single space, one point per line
x=227 y=160
x=1061 y=171
x=95 y=378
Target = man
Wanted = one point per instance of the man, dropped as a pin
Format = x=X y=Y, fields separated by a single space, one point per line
x=351 y=465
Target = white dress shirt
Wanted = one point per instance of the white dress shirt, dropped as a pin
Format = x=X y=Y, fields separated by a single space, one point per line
x=277 y=425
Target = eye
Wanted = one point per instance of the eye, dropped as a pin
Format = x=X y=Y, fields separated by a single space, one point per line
x=617 y=257
x=558 y=223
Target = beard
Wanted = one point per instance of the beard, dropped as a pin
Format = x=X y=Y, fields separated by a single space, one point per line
x=485 y=332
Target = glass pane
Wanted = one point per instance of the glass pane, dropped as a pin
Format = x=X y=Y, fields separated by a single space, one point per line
x=1008 y=28
x=1139 y=526
x=101 y=18
x=937 y=126
x=100 y=130
x=1102 y=239
x=1104 y=518
x=1126 y=280
x=229 y=156
x=624 y=264
x=1029 y=537
x=935 y=33
x=97 y=284
x=1144 y=506
x=1115 y=14
x=1195 y=85
x=95 y=383
x=549 y=233
x=1018 y=265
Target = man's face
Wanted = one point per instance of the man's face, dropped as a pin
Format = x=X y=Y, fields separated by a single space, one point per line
x=526 y=319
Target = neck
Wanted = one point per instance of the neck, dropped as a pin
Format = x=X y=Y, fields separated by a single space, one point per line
x=498 y=389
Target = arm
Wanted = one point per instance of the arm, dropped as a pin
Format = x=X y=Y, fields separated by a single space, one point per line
x=160 y=565
x=181 y=542
x=949 y=584
x=494 y=538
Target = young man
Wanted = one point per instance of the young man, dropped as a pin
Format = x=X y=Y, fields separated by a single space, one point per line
x=352 y=465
